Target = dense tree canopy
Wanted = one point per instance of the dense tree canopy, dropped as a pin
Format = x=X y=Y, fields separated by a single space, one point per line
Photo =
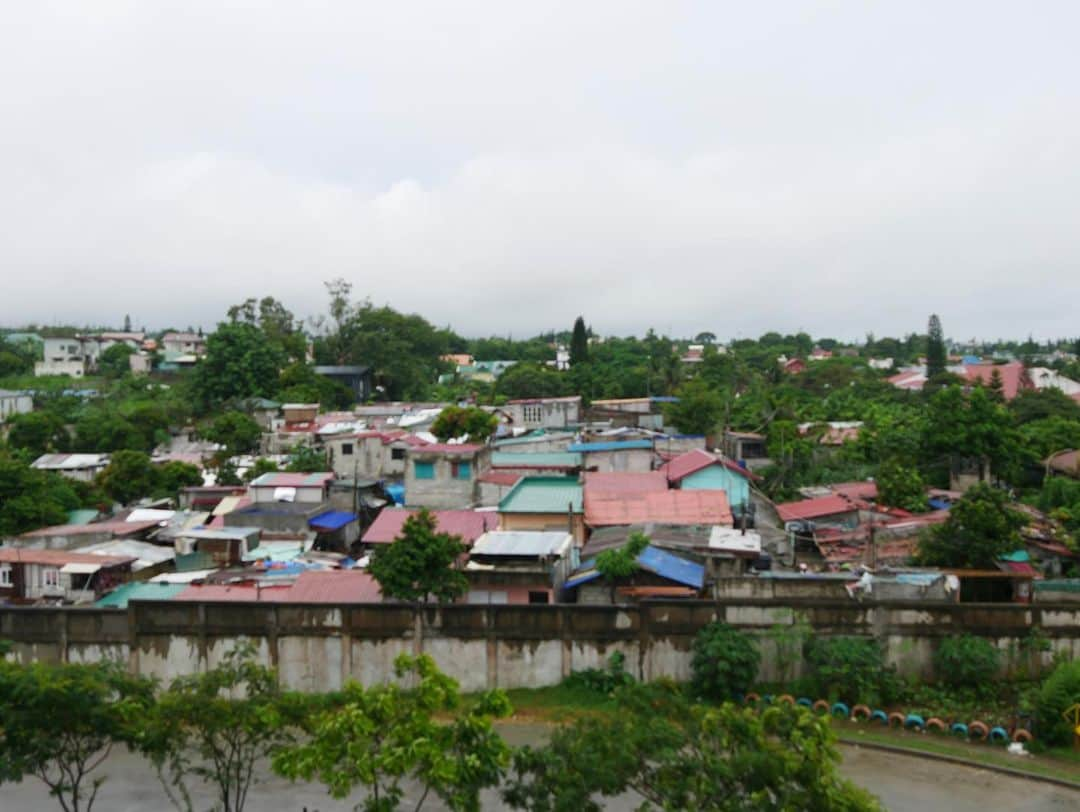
x=421 y=563
x=980 y=529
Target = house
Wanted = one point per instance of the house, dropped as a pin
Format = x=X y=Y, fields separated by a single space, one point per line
x=146 y=558
x=68 y=536
x=1044 y=378
x=661 y=507
x=280 y=486
x=59 y=575
x=563 y=463
x=748 y=447
x=725 y=552
x=495 y=485
x=444 y=475
x=83 y=467
x=544 y=503
x=468 y=524
x=357 y=379
x=177 y=344
x=833 y=510
x=62 y=356
x=520 y=567
x=644 y=412
x=791 y=366
x=702 y=470
x=1014 y=377
x=536 y=441
x=224 y=546
x=631 y=455
x=660 y=574
x=337 y=529
x=371 y=454
x=544 y=413
x=1066 y=463
x=694 y=354
x=12 y=403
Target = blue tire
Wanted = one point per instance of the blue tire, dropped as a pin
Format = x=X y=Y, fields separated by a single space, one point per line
x=914 y=720
x=959 y=729
x=879 y=716
x=841 y=710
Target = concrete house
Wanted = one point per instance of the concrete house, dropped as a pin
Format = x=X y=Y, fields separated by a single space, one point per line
x=62 y=356
x=442 y=475
x=83 y=467
x=544 y=413
x=183 y=344
x=280 y=486
x=12 y=403
x=520 y=567
x=31 y=575
x=371 y=454
x=631 y=455
x=544 y=503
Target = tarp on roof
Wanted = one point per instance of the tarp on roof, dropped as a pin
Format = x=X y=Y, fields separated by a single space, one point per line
x=332 y=520
x=652 y=559
x=625 y=445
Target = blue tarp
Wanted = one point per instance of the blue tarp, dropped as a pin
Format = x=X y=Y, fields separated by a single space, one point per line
x=654 y=560
x=611 y=446
x=396 y=492
x=332 y=520
x=940 y=504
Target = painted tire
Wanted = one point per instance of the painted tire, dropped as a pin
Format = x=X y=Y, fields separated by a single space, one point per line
x=860 y=712
x=821 y=705
x=896 y=718
x=879 y=716
x=767 y=699
x=785 y=698
x=802 y=701
x=913 y=720
x=840 y=711
x=751 y=698
x=935 y=724
x=978 y=730
x=999 y=734
x=1022 y=735
x=960 y=729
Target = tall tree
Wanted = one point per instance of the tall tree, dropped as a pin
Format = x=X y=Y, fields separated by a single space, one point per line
x=579 y=343
x=981 y=528
x=420 y=563
x=698 y=410
x=936 y=358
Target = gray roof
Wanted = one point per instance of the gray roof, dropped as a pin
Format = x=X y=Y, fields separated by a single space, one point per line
x=520 y=543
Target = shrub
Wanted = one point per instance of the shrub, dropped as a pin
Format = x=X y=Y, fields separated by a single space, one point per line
x=725 y=662
x=1060 y=691
x=602 y=680
x=967 y=662
x=851 y=669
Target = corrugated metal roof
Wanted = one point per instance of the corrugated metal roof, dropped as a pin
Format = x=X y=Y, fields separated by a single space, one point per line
x=334 y=586
x=57 y=558
x=115 y=528
x=597 y=482
x=332 y=520
x=70 y=462
x=139 y=591
x=654 y=560
x=284 y=479
x=540 y=459
x=693 y=461
x=521 y=543
x=625 y=445
x=541 y=494
x=814 y=508
x=662 y=507
x=469 y=524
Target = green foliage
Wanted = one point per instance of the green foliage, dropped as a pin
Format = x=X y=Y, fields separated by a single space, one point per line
x=226 y=473
x=981 y=528
x=1060 y=691
x=306 y=459
x=217 y=726
x=236 y=431
x=936 y=356
x=680 y=755
x=420 y=563
x=526 y=380
x=470 y=421
x=698 y=410
x=30 y=498
x=851 y=669
x=38 y=433
x=788 y=640
x=602 y=680
x=15 y=360
x=968 y=663
x=725 y=662
x=1031 y=405
x=970 y=427
x=621 y=562
x=902 y=487
x=58 y=722
x=1049 y=435
x=240 y=363
x=299 y=383
x=114 y=363
x=579 y=343
x=261 y=466
x=129 y=476
x=386 y=734
x=174 y=475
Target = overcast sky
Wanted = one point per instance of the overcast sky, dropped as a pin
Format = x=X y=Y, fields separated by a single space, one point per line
x=837 y=167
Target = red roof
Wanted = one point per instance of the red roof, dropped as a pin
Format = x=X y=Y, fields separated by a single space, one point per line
x=866 y=491
x=469 y=524
x=693 y=461
x=246 y=592
x=1013 y=376
x=505 y=478
x=334 y=586
x=814 y=508
x=57 y=558
x=597 y=482
x=660 y=507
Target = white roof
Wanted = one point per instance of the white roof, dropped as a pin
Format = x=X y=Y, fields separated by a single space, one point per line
x=730 y=539
x=80 y=569
x=181 y=577
x=150 y=515
x=521 y=542
x=144 y=553
x=70 y=462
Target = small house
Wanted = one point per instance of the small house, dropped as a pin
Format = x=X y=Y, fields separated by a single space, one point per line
x=280 y=486
x=12 y=403
x=630 y=455
x=469 y=525
x=660 y=574
x=224 y=546
x=703 y=471
x=59 y=575
x=520 y=567
x=544 y=503
x=444 y=475
x=83 y=467
x=544 y=413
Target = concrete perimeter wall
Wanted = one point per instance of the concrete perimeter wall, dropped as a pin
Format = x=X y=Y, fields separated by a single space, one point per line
x=317 y=648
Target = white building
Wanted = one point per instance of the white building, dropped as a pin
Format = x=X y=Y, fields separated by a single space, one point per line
x=83 y=467
x=14 y=403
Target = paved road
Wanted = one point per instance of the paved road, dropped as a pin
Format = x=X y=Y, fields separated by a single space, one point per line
x=903 y=783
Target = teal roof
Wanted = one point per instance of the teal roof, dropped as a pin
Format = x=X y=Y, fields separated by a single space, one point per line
x=140 y=591
x=82 y=516
x=543 y=494
x=542 y=459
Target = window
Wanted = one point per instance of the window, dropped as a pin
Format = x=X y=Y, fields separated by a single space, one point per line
x=50 y=577
x=424 y=470
x=397 y=453
x=346 y=449
x=5 y=575
x=538 y=597
x=534 y=413
x=461 y=470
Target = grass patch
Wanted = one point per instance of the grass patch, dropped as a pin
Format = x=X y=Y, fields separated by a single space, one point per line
x=559 y=703
x=1057 y=763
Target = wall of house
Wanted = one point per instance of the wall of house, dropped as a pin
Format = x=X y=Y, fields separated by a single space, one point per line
x=719 y=478
x=365 y=461
x=313 y=495
x=15 y=404
x=443 y=491
x=553 y=414
x=554 y=442
x=545 y=521
x=318 y=647
x=634 y=459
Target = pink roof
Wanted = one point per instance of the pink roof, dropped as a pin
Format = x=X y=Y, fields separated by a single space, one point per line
x=241 y=593
x=469 y=524
x=57 y=558
x=693 y=461
x=814 y=508
x=504 y=478
x=855 y=490
x=334 y=586
x=913 y=380
x=660 y=507
x=116 y=528
x=1013 y=376
x=597 y=482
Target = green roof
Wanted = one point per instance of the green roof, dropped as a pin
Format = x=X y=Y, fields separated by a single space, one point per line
x=82 y=516
x=140 y=591
x=543 y=494
x=541 y=459
x=1061 y=585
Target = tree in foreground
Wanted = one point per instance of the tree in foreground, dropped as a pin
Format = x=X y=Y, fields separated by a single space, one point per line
x=60 y=722
x=1059 y=692
x=420 y=564
x=217 y=726
x=725 y=662
x=680 y=755
x=980 y=529
x=387 y=734
x=621 y=562
x=468 y=421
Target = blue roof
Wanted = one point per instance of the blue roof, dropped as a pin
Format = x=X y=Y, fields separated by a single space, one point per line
x=654 y=560
x=332 y=520
x=626 y=445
